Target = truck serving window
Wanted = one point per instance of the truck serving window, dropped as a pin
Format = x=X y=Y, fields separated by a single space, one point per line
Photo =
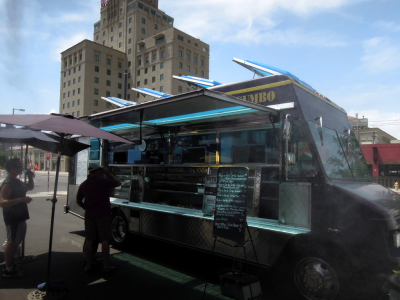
x=340 y=154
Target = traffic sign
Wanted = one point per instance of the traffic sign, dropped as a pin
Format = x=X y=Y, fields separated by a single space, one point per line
x=48 y=155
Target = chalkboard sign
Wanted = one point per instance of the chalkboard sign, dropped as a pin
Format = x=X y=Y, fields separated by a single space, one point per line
x=231 y=203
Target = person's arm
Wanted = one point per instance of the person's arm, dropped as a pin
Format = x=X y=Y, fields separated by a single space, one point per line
x=111 y=176
x=5 y=194
x=79 y=199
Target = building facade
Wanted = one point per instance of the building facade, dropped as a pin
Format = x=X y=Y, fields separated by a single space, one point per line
x=134 y=45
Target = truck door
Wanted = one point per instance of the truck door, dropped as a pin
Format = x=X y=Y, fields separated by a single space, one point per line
x=299 y=172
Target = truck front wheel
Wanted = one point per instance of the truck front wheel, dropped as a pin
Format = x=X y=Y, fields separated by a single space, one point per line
x=119 y=228
x=316 y=279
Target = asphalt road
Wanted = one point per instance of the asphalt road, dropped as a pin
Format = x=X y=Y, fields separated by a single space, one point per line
x=145 y=269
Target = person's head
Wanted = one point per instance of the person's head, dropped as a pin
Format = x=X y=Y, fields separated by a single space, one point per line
x=14 y=165
x=95 y=169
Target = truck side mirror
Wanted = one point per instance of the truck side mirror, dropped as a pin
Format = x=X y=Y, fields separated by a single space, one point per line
x=290 y=159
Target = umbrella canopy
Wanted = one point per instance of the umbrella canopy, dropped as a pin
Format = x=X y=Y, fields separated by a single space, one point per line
x=62 y=124
x=40 y=140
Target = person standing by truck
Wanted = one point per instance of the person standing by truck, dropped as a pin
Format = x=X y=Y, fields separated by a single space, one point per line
x=14 y=202
x=93 y=197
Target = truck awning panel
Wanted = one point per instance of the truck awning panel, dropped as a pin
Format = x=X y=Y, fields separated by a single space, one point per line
x=197 y=81
x=119 y=102
x=187 y=109
x=263 y=70
x=152 y=93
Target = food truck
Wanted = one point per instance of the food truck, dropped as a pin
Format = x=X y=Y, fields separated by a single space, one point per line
x=312 y=208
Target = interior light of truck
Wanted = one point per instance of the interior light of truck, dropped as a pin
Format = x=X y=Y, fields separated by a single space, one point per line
x=120 y=127
x=203 y=115
x=396 y=237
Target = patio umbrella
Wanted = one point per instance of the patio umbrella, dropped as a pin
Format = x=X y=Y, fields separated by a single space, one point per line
x=40 y=140
x=63 y=125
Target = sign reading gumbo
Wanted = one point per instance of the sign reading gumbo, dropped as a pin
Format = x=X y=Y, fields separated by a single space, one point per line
x=231 y=203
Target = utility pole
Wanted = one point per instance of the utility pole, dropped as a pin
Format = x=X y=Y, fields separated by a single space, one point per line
x=358 y=129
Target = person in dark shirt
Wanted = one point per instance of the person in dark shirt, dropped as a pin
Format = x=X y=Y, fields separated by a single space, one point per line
x=93 y=197
x=14 y=202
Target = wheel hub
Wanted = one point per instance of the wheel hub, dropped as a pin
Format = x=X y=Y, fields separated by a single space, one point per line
x=316 y=279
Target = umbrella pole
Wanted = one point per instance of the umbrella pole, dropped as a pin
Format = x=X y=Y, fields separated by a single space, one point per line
x=54 y=201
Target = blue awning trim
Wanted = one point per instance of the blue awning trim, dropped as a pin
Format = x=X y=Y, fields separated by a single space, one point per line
x=119 y=102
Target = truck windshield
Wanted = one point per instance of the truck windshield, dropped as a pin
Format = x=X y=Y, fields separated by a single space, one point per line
x=340 y=154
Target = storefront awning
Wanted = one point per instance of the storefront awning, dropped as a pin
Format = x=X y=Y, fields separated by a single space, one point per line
x=196 y=81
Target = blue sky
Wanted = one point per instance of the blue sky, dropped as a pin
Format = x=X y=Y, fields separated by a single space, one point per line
x=348 y=50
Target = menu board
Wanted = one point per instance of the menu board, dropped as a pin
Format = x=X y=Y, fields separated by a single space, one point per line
x=231 y=203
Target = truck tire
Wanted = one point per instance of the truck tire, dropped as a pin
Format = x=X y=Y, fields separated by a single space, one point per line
x=313 y=275
x=119 y=228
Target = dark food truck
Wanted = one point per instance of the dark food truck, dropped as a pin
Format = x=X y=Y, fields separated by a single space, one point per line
x=311 y=204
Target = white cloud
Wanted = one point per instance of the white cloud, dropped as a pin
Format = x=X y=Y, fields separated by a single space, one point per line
x=253 y=20
x=63 y=44
x=380 y=55
x=389 y=26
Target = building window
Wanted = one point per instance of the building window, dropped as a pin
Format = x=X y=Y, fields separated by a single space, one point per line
x=96 y=91
x=139 y=62
x=119 y=75
x=63 y=105
x=180 y=89
x=129 y=63
x=155 y=26
x=162 y=65
x=130 y=41
x=145 y=70
x=73 y=103
x=63 y=95
x=69 y=82
x=96 y=80
x=201 y=62
x=120 y=23
x=138 y=83
x=188 y=68
x=202 y=73
x=138 y=72
x=161 y=77
x=95 y=102
x=145 y=81
x=143 y=31
x=120 y=45
x=129 y=51
x=147 y=59
x=130 y=30
x=153 y=68
x=108 y=60
x=180 y=38
x=108 y=82
x=187 y=56
x=129 y=97
x=79 y=79
x=120 y=86
x=68 y=105
x=119 y=64
x=130 y=20
x=187 y=90
x=112 y=28
x=79 y=68
x=65 y=74
x=163 y=54
x=96 y=69
x=180 y=65
x=161 y=89
x=64 y=84
x=79 y=102
x=195 y=70
x=195 y=59
x=108 y=94
x=78 y=113
x=153 y=79
x=108 y=72
x=180 y=53
x=104 y=33
x=154 y=57
x=96 y=57
x=143 y=21
x=73 y=114
x=79 y=90
x=112 y=38
x=120 y=34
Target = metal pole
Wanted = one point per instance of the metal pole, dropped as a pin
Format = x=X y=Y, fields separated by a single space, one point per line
x=125 y=83
x=54 y=201
x=358 y=129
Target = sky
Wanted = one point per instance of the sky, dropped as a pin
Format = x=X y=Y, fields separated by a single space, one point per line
x=348 y=50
